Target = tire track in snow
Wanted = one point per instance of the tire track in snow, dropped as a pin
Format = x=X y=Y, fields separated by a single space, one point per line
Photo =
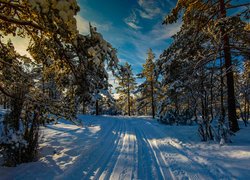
x=125 y=165
x=147 y=161
x=160 y=166
x=105 y=151
x=111 y=164
x=130 y=149
x=167 y=166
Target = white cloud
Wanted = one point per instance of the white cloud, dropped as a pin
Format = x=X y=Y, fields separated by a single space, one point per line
x=155 y=39
x=145 y=15
x=103 y=27
x=131 y=42
x=163 y=32
x=149 y=8
x=133 y=25
x=132 y=21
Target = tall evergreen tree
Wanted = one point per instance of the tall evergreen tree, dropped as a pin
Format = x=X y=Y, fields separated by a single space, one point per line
x=126 y=86
x=148 y=88
x=211 y=18
x=63 y=58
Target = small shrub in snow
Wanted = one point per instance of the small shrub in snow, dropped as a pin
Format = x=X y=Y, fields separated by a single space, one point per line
x=205 y=131
x=168 y=118
x=223 y=133
x=19 y=145
x=216 y=130
x=171 y=117
x=12 y=145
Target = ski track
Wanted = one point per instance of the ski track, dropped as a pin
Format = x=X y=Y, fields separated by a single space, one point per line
x=134 y=148
x=129 y=150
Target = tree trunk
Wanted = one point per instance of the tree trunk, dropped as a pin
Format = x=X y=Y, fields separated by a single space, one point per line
x=229 y=74
x=152 y=100
x=128 y=100
x=14 y=116
x=96 y=108
x=221 y=93
x=83 y=108
x=4 y=102
x=248 y=111
x=211 y=93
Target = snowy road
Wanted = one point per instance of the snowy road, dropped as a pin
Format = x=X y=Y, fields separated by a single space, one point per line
x=126 y=148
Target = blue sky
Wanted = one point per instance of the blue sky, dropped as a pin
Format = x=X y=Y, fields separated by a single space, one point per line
x=131 y=26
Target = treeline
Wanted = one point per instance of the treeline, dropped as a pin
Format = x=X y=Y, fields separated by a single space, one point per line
x=204 y=75
x=67 y=70
x=210 y=58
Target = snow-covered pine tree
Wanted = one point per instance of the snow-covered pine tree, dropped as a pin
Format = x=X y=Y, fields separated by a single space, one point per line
x=104 y=103
x=149 y=88
x=18 y=140
x=198 y=50
x=211 y=18
x=126 y=86
x=94 y=58
x=37 y=21
x=60 y=55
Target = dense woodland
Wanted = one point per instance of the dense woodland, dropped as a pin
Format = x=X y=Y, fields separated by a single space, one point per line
x=202 y=78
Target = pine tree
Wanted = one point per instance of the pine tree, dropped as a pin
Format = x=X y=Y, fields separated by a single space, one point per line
x=210 y=17
x=63 y=62
x=149 y=87
x=230 y=77
x=126 y=86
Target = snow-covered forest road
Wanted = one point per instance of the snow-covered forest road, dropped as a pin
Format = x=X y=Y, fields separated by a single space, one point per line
x=109 y=147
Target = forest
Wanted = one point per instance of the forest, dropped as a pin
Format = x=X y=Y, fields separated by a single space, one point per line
x=200 y=81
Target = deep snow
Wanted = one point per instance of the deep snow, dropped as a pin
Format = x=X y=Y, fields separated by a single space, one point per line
x=109 y=147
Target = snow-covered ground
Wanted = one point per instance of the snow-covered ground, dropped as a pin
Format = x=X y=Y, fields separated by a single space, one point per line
x=109 y=147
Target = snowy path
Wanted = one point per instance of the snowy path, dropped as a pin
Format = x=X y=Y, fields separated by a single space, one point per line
x=125 y=148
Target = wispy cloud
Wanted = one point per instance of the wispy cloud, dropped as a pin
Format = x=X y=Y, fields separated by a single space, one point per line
x=133 y=25
x=162 y=32
x=132 y=21
x=103 y=27
x=139 y=42
x=140 y=29
x=149 y=9
x=154 y=38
